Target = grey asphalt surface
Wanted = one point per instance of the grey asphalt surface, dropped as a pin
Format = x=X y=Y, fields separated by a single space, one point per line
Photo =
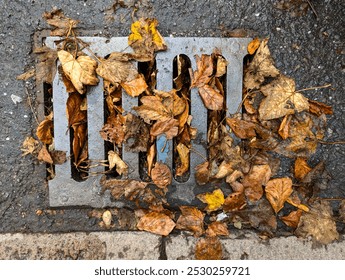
x=308 y=48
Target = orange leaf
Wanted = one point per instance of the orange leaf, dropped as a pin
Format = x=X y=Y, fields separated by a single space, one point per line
x=301 y=168
x=241 y=128
x=208 y=248
x=293 y=218
x=216 y=229
x=278 y=191
x=253 y=45
x=169 y=127
x=284 y=127
x=157 y=223
x=234 y=202
x=191 y=219
x=44 y=130
x=136 y=86
x=319 y=108
x=202 y=75
x=202 y=173
x=211 y=97
x=161 y=175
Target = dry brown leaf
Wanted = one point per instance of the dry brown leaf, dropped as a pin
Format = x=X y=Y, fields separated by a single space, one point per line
x=202 y=74
x=27 y=75
x=62 y=25
x=284 y=127
x=157 y=223
x=161 y=175
x=152 y=109
x=214 y=200
x=318 y=223
x=81 y=71
x=46 y=66
x=221 y=66
x=260 y=68
x=44 y=155
x=342 y=210
x=168 y=127
x=191 y=219
x=293 y=218
x=253 y=46
x=79 y=143
x=234 y=202
x=208 y=248
x=319 y=108
x=137 y=134
x=295 y=201
x=258 y=176
x=217 y=229
x=151 y=156
x=183 y=153
x=301 y=168
x=242 y=129
x=211 y=97
x=29 y=146
x=202 y=173
x=114 y=129
x=59 y=157
x=44 y=130
x=281 y=99
x=224 y=169
x=278 y=191
x=115 y=160
x=136 y=86
x=128 y=188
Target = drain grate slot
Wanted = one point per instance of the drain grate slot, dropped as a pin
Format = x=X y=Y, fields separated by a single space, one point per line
x=65 y=191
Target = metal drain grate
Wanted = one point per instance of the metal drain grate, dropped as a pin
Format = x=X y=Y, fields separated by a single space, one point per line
x=64 y=190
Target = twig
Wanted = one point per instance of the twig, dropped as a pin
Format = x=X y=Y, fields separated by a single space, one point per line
x=312 y=7
x=331 y=143
x=30 y=104
x=324 y=86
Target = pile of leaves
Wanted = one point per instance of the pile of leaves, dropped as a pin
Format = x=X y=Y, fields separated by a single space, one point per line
x=277 y=121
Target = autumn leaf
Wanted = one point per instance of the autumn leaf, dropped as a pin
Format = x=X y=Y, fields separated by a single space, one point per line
x=258 y=176
x=234 y=202
x=202 y=173
x=157 y=223
x=318 y=223
x=293 y=218
x=278 y=191
x=115 y=160
x=107 y=218
x=46 y=65
x=136 y=86
x=211 y=97
x=242 y=129
x=208 y=248
x=253 y=46
x=260 y=68
x=152 y=109
x=27 y=75
x=284 y=127
x=168 y=127
x=137 y=134
x=79 y=143
x=301 y=168
x=59 y=157
x=44 y=130
x=213 y=200
x=191 y=219
x=221 y=66
x=75 y=115
x=202 y=74
x=161 y=175
x=281 y=99
x=81 y=71
x=183 y=162
x=145 y=38
x=44 y=155
x=217 y=229
x=114 y=129
x=29 y=146
x=319 y=108
x=62 y=25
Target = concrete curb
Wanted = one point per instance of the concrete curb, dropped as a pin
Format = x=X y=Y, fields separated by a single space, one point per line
x=141 y=245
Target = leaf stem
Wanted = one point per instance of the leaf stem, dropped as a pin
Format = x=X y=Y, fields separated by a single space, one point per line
x=324 y=86
x=331 y=143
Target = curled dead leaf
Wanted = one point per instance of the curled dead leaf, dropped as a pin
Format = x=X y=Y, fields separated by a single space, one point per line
x=202 y=173
x=242 y=129
x=115 y=160
x=183 y=165
x=161 y=175
x=44 y=130
x=62 y=25
x=234 y=202
x=301 y=168
x=253 y=45
x=44 y=155
x=293 y=218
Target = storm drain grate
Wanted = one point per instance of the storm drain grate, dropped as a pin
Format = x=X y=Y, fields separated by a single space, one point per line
x=64 y=190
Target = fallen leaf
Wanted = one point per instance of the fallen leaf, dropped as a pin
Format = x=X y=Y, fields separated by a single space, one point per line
x=202 y=173
x=81 y=71
x=318 y=223
x=191 y=219
x=145 y=38
x=211 y=97
x=136 y=86
x=224 y=169
x=131 y=189
x=281 y=99
x=168 y=127
x=319 y=108
x=253 y=182
x=217 y=229
x=284 y=127
x=221 y=66
x=151 y=156
x=137 y=134
x=241 y=128
x=75 y=115
x=253 y=46
x=234 y=202
x=30 y=146
x=152 y=109
x=27 y=75
x=202 y=74
x=157 y=223
x=208 y=248
x=342 y=210
x=62 y=25
x=301 y=168
x=107 y=218
x=213 y=200
x=115 y=160
x=260 y=68
x=44 y=155
x=161 y=175
x=114 y=129
x=79 y=143
x=46 y=65
x=183 y=159
x=278 y=191
x=295 y=201
x=59 y=157
x=293 y=218
x=44 y=130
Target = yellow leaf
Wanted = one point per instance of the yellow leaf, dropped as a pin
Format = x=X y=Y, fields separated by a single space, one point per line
x=214 y=200
x=81 y=71
x=281 y=99
x=253 y=45
x=278 y=191
x=107 y=218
